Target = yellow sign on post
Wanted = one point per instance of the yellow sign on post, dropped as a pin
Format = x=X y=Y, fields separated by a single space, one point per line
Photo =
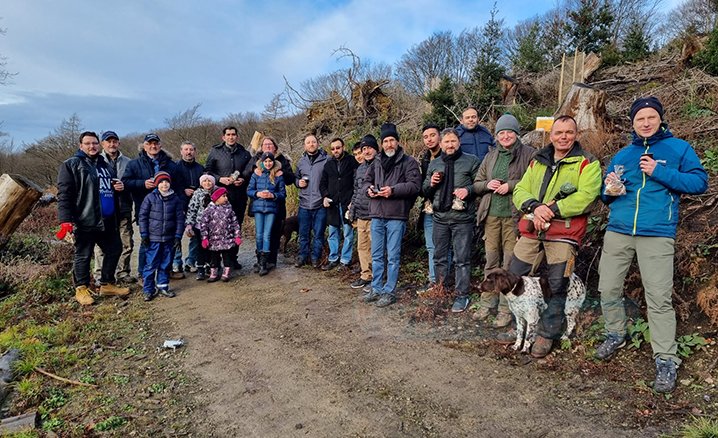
x=544 y=123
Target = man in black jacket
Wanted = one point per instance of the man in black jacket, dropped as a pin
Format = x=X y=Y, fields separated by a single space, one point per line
x=139 y=177
x=337 y=187
x=231 y=166
x=87 y=208
x=270 y=145
x=190 y=170
x=392 y=183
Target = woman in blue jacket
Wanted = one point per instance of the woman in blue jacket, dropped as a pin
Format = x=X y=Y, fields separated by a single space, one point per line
x=656 y=169
x=266 y=189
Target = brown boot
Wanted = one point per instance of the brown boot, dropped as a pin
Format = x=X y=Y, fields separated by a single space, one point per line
x=502 y=320
x=541 y=347
x=107 y=290
x=82 y=295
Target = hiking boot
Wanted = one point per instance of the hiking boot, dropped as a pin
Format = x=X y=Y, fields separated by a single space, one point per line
x=82 y=295
x=541 y=347
x=426 y=288
x=213 y=275
x=263 y=264
x=317 y=264
x=201 y=273
x=370 y=296
x=386 y=300
x=166 y=293
x=359 y=283
x=330 y=265
x=225 y=274
x=366 y=289
x=506 y=338
x=177 y=274
x=149 y=297
x=665 y=375
x=107 y=290
x=612 y=343
x=126 y=279
x=502 y=320
x=460 y=304
x=299 y=263
x=482 y=314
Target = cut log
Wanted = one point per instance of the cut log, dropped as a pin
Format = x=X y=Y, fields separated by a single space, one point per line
x=588 y=106
x=17 y=197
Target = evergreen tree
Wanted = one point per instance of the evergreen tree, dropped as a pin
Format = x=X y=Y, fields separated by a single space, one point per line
x=529 y=56
x=589 y=26
x=483 y=89
x=636 y=45
x=442 y=103
x=707 y=59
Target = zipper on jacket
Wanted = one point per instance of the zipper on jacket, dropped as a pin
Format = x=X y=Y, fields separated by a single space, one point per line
x=638 y=192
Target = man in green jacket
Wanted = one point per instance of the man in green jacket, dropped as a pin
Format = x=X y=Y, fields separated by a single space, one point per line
x=449 y=184
x=555 y=194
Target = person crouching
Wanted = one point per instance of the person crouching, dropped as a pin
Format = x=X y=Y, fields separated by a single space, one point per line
x=220 y=234
x=161 y=222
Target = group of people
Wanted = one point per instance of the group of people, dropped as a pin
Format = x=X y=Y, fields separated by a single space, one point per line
x=529 y=207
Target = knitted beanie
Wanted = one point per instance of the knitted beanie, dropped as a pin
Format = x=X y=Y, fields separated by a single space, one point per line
x=218 y=193
x=647 y=102
x=162 y=176
x=507 y=122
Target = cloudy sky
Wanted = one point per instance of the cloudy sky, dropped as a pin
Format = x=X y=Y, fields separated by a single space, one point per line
x=128 y=65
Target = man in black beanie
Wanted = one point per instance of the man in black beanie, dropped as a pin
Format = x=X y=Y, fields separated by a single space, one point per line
x=392 y=183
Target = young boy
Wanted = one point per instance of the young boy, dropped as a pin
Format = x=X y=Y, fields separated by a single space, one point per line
x=161 y=222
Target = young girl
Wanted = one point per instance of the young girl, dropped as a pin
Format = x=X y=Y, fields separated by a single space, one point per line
x=161 y=221
x=197 y=204
x=220 y=233
x=265 y=189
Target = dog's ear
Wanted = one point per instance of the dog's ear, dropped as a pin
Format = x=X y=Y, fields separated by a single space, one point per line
x=503 y=281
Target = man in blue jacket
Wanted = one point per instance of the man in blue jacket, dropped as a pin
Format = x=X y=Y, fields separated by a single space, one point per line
x=475 y=139
x=656 y=169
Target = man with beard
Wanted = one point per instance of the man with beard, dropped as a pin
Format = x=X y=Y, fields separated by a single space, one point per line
x=359 y=212
x=449 y=184
x=475 y=139
x=392 y=183
x=336 y=188
x=269 y=145
x=312 y=214
x=231 y=166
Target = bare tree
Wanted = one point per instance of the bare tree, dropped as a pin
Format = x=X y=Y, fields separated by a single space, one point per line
x=5 y=75
x=45 y=156
x=426 y=61
x=692 y=16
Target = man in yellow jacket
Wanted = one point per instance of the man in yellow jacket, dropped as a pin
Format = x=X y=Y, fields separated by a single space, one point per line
x=555 y=194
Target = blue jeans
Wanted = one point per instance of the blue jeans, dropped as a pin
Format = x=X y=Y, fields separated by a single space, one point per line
x=430 y=248
x=333 y=240
x=263 y=230
x=311 y=225
x=191 y=260
x=386 y=235
x=158 y=260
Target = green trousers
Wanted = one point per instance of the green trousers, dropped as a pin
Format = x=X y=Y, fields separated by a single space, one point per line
x=499 y=242
x=655 y=262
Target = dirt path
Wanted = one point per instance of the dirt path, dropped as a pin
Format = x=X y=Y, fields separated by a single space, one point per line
x=296 y=353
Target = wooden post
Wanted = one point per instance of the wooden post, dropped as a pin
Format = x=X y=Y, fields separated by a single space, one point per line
x=17 y=197
x=575 y=59
x=560 y=82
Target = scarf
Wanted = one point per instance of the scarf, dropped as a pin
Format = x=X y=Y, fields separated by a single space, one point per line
x=388 y=162
x=446 y=194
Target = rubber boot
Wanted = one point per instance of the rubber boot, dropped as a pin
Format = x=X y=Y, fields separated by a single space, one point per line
x=225 y=274
x=256 y=265
x=263 y=264
x=213 y=275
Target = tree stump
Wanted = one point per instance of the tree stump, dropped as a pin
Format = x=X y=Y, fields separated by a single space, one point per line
x=588 y=106
x=17 y=197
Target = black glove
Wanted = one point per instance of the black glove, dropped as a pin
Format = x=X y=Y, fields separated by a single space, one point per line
x=146 y=241
x=177 y=245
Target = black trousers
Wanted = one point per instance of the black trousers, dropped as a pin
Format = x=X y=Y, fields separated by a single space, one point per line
x=111 y=245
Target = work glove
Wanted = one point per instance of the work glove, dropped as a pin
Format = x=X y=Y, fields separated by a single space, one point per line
x=177 y=245
x=65 y=228
x=146 y=241
x=238 y=240
x=205 y=243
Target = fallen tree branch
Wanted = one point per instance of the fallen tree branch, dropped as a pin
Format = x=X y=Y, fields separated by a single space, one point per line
x=62 y=379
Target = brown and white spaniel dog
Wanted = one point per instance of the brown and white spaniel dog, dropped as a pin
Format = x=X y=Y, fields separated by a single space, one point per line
x=527 y=297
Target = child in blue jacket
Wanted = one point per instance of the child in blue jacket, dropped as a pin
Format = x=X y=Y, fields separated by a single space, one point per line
x=161 y=221
x=265 y=189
